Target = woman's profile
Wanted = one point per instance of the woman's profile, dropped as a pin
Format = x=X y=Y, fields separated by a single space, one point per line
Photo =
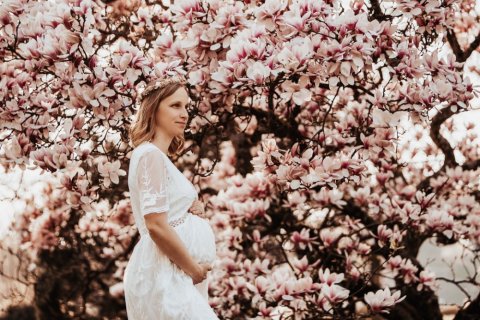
x=166 y=276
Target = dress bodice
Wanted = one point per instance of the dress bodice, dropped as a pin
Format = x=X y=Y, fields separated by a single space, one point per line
x=156 y=185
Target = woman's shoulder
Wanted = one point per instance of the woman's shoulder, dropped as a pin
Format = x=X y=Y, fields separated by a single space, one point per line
x=147 y=150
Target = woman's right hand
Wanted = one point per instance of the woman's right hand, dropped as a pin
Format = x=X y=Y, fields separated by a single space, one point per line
x=201 y=273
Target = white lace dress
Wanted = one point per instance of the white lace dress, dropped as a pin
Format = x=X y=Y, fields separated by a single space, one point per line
x=155 y=288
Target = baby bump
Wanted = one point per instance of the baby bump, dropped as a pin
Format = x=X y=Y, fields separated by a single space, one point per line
x=197 y=235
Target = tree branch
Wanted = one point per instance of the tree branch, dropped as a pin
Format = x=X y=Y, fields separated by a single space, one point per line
x=471 y=312
x=439 y=140
x=442 y=143
x=471 y=165
x=376 y=12
x=461 y=55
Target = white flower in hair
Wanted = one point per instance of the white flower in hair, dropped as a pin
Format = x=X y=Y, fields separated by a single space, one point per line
x=160 y=83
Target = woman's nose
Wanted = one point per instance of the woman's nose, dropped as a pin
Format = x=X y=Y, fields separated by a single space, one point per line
x=185 y=114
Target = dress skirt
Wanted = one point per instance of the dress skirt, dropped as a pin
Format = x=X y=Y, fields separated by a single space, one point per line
x=156 y=289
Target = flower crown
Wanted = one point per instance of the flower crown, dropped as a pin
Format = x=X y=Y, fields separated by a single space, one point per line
x=160 y=83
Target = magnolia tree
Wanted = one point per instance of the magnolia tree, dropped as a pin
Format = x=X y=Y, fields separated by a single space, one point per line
x=323 y=139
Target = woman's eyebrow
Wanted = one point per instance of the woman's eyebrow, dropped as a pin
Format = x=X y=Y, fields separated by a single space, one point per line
x=177 y=102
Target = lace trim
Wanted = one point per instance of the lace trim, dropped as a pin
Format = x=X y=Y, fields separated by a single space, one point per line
x=179 y=221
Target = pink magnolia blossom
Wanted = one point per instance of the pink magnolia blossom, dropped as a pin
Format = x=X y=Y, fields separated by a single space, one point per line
x=230 y=16
x=302 y=265
x=188 y=9
x=261 y=286
x=427 y=279
x=296 y=19
x=269 y=12
x=110 y=171
x=264 y=312
x=440 y=221
x=297 y=92
x=329 y=236
x=290 y=289
x=51 y=159
x=408 y=271
x=335 y=293
x=382 y=299
x=302 y=239
x=258 y=266
x=294 y=55
x=329 y=278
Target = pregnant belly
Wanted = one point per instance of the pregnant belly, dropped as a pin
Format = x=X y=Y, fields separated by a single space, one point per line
x=198 y=237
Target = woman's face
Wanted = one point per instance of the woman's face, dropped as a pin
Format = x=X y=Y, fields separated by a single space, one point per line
x=172 y=114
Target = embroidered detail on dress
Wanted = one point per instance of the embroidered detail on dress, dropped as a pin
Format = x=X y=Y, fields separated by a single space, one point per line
x=179 y=221
x=150 y=196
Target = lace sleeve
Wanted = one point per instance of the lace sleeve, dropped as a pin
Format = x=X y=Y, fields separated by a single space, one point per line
x=152 y=183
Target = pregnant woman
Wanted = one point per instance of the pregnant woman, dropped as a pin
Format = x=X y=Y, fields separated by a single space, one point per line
x=166 y=276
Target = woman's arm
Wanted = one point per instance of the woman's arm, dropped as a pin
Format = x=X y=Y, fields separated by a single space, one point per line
x=152 y=179
x=172 y=246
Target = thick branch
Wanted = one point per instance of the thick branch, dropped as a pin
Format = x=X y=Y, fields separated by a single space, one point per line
x=439 y=140
x=461 y=55
x=377 y=13
x=471 y=165
x=471 y=312
x=442 y=143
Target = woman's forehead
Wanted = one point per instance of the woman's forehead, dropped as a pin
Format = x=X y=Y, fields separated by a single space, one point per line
x=180 y=96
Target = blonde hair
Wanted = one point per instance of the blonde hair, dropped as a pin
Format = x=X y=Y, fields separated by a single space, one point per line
x=142 y=128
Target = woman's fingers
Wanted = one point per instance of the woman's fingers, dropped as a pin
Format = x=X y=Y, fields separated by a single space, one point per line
x=197 y=208
x=196 y=211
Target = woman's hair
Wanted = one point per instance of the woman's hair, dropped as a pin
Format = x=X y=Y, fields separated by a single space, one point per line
x=142 y=128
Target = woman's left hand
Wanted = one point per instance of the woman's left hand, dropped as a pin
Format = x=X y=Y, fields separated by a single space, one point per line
x=198 y=208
